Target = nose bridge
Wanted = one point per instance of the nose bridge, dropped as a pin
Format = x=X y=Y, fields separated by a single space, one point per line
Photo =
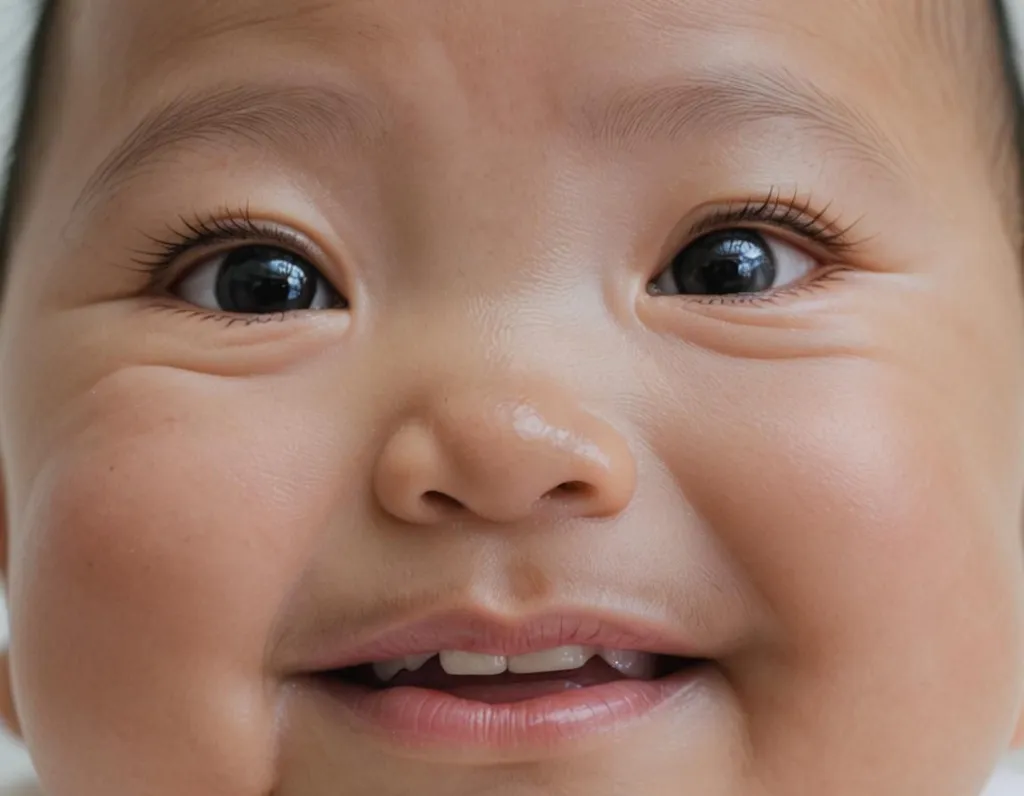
x=495 y=209
x=492 y=427
x=503 y=450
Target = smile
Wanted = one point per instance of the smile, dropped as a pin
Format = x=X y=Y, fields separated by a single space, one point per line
x=461 y=681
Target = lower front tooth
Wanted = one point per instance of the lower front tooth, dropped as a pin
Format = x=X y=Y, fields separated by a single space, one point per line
x=472 y=663
x=637 y=665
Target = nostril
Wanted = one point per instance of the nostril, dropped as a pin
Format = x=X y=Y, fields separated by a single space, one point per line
x=570 y=489
x=442 y=501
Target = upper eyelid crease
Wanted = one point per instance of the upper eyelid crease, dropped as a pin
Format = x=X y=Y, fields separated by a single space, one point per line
x=793 y=213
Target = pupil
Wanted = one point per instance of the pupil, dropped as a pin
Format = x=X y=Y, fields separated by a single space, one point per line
x=722 y=263
x=262 y=279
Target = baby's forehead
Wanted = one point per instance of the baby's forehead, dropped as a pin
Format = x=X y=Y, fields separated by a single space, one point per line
x=870 y=48
x=895 y=34
x=899 y=84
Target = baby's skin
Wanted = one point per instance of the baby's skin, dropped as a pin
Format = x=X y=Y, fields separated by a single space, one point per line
x=577 y=397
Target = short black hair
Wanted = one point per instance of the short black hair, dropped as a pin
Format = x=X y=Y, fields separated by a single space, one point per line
x=14 y=192
x=1012 y=77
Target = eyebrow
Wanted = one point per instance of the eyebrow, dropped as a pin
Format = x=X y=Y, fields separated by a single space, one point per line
x=322 y=116
x=716 y=102
x=327 y=116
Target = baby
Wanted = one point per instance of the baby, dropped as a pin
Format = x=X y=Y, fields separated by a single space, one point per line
x=577 y=397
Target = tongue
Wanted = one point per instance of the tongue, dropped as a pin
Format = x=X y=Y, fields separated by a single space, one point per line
x=507 y=687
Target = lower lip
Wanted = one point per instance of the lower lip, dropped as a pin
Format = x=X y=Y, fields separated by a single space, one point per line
x=423 y=718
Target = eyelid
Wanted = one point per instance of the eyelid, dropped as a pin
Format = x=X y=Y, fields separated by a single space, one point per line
x=193 y=241
x=791 y=222
x=794 y=219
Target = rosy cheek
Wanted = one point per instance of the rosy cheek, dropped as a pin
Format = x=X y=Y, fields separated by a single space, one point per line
x=150 y=563
x=866 y=521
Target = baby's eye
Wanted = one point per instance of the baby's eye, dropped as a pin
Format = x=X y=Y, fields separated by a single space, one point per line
x=733 y=261
x=258 y=280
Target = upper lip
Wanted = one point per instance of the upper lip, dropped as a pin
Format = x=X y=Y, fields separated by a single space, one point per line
x=472 y=631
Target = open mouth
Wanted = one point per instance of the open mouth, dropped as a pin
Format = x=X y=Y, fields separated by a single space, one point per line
x=499 y=679
x=463 y=680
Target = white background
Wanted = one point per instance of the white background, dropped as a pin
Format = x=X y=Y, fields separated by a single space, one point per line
x=15 y=21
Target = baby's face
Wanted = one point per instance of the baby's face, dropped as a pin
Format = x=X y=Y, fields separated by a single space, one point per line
x=682 y=334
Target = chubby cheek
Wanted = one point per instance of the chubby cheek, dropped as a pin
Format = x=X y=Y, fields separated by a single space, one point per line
x=152 y=556
x=882 y=529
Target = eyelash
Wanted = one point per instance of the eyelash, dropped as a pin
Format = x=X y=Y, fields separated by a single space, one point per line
x=793 y=215
x=158 y=261
x=209 y=230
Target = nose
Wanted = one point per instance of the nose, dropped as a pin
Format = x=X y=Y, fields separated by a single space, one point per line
x=479 y=453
